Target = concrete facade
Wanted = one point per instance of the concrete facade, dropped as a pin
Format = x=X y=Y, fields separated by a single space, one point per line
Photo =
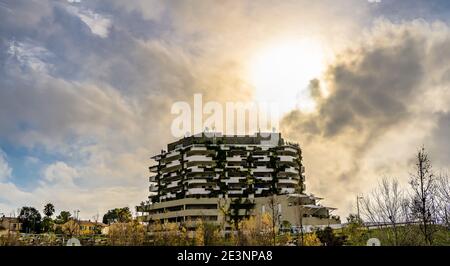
x=209 y=176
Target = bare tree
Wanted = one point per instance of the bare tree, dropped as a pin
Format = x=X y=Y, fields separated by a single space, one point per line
x=301 y=211
x=275 y=215
x=423 y=186
x=443 y=195
x=385 y=206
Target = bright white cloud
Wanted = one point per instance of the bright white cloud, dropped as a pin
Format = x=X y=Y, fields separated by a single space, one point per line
x=30 y=54
x=60 y=173
x=98 y=24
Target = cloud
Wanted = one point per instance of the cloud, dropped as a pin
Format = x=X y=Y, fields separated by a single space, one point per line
x=87 y=86
x=97 y=23
x=5 y=170
x=29 y=55
x=60 y=172
x=380 y=109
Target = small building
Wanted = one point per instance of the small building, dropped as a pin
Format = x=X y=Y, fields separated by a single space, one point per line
x=86 y=227
x=10 y=224
x=90 y=228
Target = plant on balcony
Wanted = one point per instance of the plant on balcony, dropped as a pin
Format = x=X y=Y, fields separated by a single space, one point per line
x=238 y=204
x=273 y=163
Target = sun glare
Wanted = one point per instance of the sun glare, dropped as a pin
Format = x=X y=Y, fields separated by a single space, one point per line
x=281 y=73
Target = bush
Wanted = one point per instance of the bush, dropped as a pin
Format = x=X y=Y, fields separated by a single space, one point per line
x=10 y=239
x=126 y=234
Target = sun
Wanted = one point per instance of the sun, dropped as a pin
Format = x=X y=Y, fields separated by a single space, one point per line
x=281 y=73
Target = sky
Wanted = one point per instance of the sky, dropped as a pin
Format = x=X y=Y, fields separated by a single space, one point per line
x=86 y=89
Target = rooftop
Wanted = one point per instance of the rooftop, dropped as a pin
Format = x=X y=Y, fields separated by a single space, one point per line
x=272 y=139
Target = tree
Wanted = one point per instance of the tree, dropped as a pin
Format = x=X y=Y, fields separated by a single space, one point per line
x=328 y=238
x=168 y=234
x=30 y=219
x=211 y=234
x=354 y=230
x=117 y=215
x=49 y=209
x=63 y=217
x=443 y=194
x=301 y=211
x=199 y=233
x=423 y=186
x=126 y=234
x=385 y=206
x=311 y=240
x=47 y=224
x=275 y=215
x=256 y=231
x=71 y=228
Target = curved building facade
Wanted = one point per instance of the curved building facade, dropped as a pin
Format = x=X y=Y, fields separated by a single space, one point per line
x=199 y=176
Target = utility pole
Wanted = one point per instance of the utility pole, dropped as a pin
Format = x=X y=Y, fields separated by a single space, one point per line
x=357 y=206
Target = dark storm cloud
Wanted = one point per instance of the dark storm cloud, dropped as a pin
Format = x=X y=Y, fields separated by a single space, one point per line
x=387 y=96
x=376 y=90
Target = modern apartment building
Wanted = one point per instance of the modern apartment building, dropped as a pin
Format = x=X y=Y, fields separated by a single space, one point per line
x=216 y=177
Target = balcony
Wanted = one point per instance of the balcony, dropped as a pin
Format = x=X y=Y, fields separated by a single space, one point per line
x=235 y=158
x=173 y=184
x=264 y=178
x=287 y=190
x=172 y=154
x=289 y=149
x=173 y=163
x=263 y=159
x=285 y=158
x=262 y=169
x=288 y=181
x=153 y=168
x=153 y=187
x=291 y=170
x=235 y=192
x=171 y=168
x=196 y=181
x=198 y=148
x=235 y=179
x=198 y=158
x=196 y=169
x=197 y=191
x=261 y=189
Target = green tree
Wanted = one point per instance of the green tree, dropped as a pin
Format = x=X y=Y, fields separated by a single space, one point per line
x=63 y=217
x=328 y=238
x=30 y=219
x=47 y=224
x=354 y=231
x=49 y=209
x=117 y=215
